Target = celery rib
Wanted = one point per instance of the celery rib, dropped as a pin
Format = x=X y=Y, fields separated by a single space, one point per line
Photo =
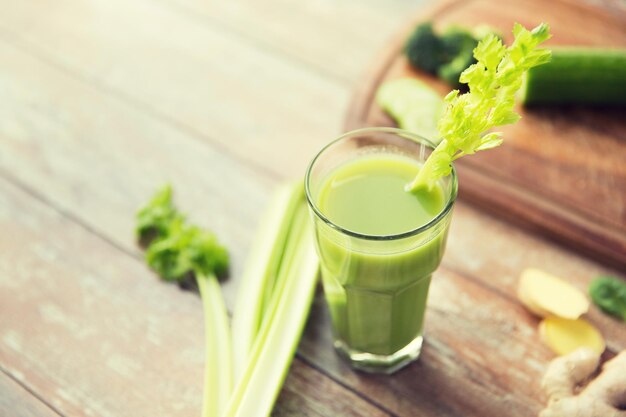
x=262 y=268
x=275 y=344
x=218 y=373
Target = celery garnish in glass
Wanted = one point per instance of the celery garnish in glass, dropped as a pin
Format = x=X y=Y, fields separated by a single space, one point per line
x=493 y=82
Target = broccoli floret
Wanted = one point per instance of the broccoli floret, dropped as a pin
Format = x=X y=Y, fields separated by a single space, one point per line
x=446 y=56
x=424 y=48
x=456 y=39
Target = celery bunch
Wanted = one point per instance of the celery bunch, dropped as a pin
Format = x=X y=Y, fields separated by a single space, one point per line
x=277 y=287
x=493 y=82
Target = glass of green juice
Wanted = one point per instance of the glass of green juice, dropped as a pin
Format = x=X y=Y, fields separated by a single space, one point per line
x=378 y=244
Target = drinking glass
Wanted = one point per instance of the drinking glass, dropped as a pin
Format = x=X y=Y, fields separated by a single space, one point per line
x=376 y=286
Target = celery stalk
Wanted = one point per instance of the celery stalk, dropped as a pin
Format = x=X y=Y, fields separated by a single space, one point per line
x=177 y=250
x=272 y=306
x=298 y=223
x=493 y=82
x=261 y=270
x=284 y=319
x=218 y=375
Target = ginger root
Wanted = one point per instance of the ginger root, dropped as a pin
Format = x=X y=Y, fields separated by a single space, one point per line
x=548 y=296
x=604 y=396
x=564 y=336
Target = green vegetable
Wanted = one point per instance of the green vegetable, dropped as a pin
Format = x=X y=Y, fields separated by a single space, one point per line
x=178 y=251
x=424 y=49
x=446 y=56
x=493 y=82
x=261 y=270
x=578 y=75
x=185 y=249
x=609 y=294
x=154 y=219
x=286 y=309
x=414 y=106
x=272 y=305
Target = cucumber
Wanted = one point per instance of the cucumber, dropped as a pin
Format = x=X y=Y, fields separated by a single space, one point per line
x=578 y=75
x=413 y=105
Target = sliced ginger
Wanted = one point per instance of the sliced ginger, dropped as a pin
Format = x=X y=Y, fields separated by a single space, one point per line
x=564 y=336
x=546 y=295
x=604 y=396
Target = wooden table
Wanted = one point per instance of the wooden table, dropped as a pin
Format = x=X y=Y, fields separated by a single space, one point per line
x=102 y=101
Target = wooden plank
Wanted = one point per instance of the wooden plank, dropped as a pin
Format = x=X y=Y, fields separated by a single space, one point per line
x=505 y=251
x=107 y=150
x=90 y=329
x=214 y=86
x=16 y=401
x=560 y=169
x=334 y=37
x=90 y=168
x=309 y=393
x=51 y=157
x=514 y=203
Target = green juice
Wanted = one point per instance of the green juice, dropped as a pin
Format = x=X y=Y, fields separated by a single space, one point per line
x=377 y=285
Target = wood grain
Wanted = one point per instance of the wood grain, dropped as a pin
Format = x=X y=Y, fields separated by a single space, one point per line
x=517 y=250
x=193 y=76
x=560 y=171
x=308 y=393
x=73 y=161
x=326 y=35
x=100 y=105
x=119 y=157
x=16 y=401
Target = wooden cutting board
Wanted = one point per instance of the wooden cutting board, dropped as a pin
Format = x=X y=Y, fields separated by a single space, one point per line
x=561 y=170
